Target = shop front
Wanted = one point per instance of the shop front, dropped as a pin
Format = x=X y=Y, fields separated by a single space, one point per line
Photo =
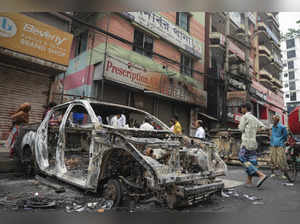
x=31 y=55
x=130 y=84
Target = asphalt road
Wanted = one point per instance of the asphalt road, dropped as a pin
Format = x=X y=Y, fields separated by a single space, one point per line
x=273 y=196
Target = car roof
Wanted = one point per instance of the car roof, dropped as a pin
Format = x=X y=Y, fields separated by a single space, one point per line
x=100 y=103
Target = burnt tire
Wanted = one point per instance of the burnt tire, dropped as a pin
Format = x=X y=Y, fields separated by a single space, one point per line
x=112 y=190
x=30 y=166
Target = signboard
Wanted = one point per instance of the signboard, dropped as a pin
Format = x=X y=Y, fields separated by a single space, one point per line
x=236 y=18
x=275 y=99
x=236 y=95
x=123 y=71
x=258 y=93
x=167 y=30
x=268 y=95
x=26 y=35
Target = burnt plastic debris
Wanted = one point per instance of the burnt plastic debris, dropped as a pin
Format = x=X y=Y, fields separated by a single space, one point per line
x=288 y=184
x=39 y=202
x=90 y=206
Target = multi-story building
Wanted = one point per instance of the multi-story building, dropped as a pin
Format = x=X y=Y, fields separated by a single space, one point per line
x=153 y=61
x=253 y=65
x=291 y=72
x=270 y=65
x=34 y=48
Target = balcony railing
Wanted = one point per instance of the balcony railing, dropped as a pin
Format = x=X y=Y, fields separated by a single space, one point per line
x=265 y=74
x=262 y=25
x=220 y=39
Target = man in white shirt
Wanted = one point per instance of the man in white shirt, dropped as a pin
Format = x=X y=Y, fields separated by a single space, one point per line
x=146 y=125
x=115 y=121
x=247 y=155
x=200 y=132
x=122 y=121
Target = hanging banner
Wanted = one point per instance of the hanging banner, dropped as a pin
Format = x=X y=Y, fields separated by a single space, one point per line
x=167 y=30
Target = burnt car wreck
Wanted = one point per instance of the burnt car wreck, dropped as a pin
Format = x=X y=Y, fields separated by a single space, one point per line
x=121 y=163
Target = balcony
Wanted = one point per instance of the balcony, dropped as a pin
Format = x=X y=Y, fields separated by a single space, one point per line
x=264 y=74
x=266 y=34
x=277 y=83
x=217 y=44
x=273 y=19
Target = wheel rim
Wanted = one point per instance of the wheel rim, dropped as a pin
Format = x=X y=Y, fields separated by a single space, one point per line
x=110 y=192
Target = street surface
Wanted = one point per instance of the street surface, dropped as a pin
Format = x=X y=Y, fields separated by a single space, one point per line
x=271 y=197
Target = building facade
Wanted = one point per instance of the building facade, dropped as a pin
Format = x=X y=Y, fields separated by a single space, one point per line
x=153 y=61
x=245 y=62
x=291 y=72
x=34 y=48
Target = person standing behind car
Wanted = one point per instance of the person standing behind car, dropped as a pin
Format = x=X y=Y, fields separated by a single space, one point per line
x=278 y=139
x=200 y=133
x=177 y=126
x=147 y=124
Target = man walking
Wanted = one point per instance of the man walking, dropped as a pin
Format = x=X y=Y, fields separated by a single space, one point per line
x=247 y=155
x=278 y=139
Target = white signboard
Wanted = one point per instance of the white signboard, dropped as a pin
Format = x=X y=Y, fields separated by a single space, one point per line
x=167 y=30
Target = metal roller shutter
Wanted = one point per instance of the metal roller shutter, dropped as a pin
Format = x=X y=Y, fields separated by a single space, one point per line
x=17 y=87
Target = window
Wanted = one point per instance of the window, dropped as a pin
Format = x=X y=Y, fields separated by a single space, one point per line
x=186 y=65
x=290 y=43
x=293 y=96
x=291 y=75
x=286 y=85
x=182 y=20
x=287 y=96
x=291 y=54
x=143 y=43
x=285 y=75
x=292 y=86
x=290 y=64
x=81 y=43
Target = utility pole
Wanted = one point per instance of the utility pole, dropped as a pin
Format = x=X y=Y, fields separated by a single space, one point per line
x=226 y=67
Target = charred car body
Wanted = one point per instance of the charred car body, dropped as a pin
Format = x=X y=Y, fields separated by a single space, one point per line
x=120 y=162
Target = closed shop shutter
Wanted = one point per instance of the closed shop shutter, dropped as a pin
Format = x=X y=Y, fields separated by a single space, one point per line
x=115 y=94
x=183 y=112
x=17 y=87
x=165 y=111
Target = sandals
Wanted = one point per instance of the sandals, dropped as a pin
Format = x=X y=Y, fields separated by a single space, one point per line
x=261 y=181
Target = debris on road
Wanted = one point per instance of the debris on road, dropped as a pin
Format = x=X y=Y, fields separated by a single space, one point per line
x=258 y=203
x=90 y=206
x=288 y=184
x=225 y=195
